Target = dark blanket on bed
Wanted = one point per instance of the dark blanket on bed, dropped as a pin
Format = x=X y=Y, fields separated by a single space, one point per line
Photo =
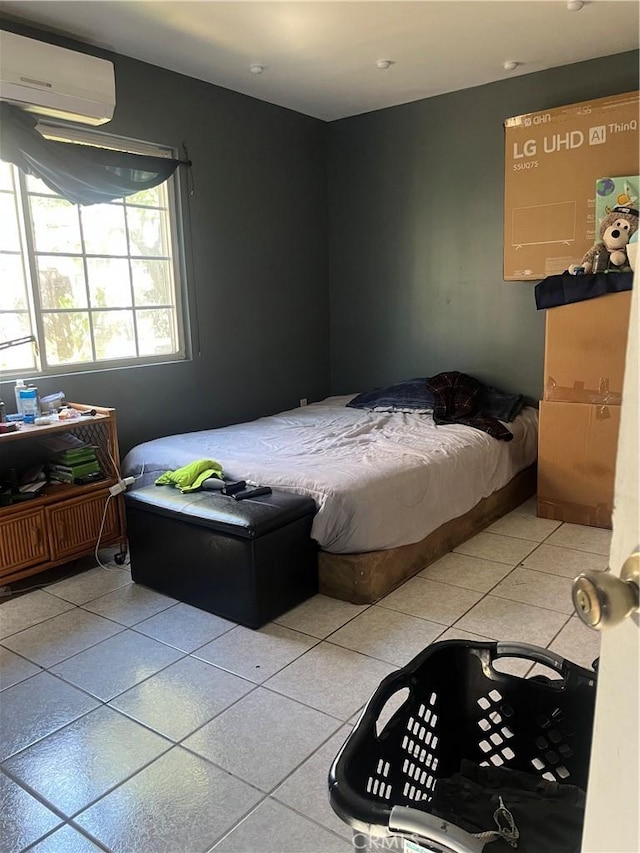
x=414 y=394
x=500 y=404
x=409 y=394
x=456 y=401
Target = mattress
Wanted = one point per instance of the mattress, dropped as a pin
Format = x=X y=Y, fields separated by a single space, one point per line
x=379 y=479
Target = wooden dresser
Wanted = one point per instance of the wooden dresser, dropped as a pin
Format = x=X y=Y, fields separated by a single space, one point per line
x=64 y=521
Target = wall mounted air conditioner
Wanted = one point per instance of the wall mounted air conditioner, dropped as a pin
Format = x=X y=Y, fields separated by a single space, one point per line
x=53 y=81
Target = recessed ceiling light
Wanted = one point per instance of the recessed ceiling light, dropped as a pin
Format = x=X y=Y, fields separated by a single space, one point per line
x=510 y=65
x=575 y=5
x=384 y=63
x=256 y=69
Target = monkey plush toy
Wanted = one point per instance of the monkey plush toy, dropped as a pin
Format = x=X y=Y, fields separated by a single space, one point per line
x=615 y=232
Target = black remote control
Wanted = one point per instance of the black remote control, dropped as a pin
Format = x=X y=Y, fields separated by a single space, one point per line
x=252 y=493
x=232 y=488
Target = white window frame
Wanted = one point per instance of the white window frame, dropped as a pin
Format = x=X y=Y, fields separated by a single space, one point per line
x=68 y=133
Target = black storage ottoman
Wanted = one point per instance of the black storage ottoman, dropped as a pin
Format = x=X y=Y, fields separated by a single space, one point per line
x=248 y=561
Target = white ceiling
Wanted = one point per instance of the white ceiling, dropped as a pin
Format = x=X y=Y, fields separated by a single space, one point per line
x=320 y=58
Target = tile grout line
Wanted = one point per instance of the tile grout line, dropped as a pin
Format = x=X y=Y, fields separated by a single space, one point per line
x=57 y=809
x=47 y=667
x=61 y=677
x=170 y=745
x=326 y=639
x=350 y=619
x=106 y=702
x=244 y=677
x=44 y=587
x=517 y=566
x=84 y=832
x=288 y=808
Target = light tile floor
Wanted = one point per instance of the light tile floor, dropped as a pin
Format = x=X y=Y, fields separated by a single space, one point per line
x=134 y=723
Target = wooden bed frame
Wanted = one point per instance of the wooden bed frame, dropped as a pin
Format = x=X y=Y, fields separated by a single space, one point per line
x=366 y=577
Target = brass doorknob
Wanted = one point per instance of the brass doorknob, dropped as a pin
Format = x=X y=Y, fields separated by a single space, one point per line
x=603 y=600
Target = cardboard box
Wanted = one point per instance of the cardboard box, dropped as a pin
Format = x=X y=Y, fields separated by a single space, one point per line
x=553 y=159
x=585 y=349
x=577 y=462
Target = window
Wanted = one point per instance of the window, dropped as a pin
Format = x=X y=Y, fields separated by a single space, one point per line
x=96 y=286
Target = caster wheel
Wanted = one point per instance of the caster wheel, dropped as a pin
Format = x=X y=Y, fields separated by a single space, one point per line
x=120 y=558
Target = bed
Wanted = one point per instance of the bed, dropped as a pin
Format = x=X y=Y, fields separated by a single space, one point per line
x=393 y=491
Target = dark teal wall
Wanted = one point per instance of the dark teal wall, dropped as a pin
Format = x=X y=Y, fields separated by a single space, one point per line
x=416 y=229
x=256 y=258
x=408 y=280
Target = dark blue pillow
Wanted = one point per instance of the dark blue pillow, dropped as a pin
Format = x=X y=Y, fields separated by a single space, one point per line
x=411 y=394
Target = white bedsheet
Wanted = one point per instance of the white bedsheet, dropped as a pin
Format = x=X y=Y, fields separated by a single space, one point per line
x=379 y=480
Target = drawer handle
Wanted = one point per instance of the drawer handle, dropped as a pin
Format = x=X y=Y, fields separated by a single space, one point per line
x=36 y=536
x=62 y=527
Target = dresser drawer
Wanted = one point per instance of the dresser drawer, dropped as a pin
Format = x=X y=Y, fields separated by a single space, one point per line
x=23 y=541
x=74 y=525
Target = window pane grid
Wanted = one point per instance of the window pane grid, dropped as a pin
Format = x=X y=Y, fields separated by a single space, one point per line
x=131 y=287
x=144 y=206
x=91 y=255
x=86 y=286
x=87 y=307
x=95 y=310
x=27 y=358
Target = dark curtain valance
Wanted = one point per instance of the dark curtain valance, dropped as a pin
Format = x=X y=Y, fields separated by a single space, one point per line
x=82 y=174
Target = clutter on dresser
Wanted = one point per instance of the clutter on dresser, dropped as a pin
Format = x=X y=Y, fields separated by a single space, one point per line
x=33 y=409
x=70 y=460
x=51 y=403
x=56 y=499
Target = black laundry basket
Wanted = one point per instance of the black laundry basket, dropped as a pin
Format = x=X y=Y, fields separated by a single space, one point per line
x=455 y=706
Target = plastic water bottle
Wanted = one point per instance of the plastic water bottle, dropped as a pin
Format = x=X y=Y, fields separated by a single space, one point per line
x=19 y=386
x=600 y=262
x=29 y=400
